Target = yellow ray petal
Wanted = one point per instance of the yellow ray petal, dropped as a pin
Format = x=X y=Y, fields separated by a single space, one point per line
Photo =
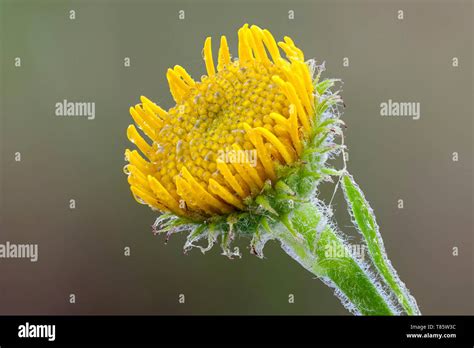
x=258 y=47
x=205 y=196
x=291 y=44
x=245 y=52
x=280 y=119
x=286 y=141
x=290 y=51
x=144 y=198
x=208 y=57
x=285 y=152
x=222 y=192
x=282 y=63
x=306 y=76
x=262 y=152
x=134 y=158
x=178 y=87
x=142 y=124
x=164 y=196
x=274 y=154
x=224 y=54
x=294 y=130
x=290 y=92
x=281 y=131
x=137 y=139
x=259 y=169
x=181 y=72
x=248 y=173
x=293 y=97
x=134 y=181
x=137 y=176
x=225 y=171
x=251 y=43
x=191 y=197
x=151 y=119
x=158 y=110
x=298 y=82
x=271 y=45
x=254 y=188
x=242 y=183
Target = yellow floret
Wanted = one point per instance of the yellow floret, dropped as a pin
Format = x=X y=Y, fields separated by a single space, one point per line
x=198 y=159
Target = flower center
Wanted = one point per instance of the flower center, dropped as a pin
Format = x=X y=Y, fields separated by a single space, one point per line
x=209 y=121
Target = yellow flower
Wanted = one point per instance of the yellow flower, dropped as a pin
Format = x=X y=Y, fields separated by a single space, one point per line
x=196 y=161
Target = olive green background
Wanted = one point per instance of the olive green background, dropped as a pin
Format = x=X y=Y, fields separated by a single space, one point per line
x=81 y=251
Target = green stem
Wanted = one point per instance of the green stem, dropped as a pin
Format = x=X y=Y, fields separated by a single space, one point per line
x=319 y=249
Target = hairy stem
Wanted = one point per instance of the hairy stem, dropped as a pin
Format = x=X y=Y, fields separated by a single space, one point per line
x=307 y=237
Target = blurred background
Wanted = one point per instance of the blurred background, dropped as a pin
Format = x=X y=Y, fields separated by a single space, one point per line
x=81 y=250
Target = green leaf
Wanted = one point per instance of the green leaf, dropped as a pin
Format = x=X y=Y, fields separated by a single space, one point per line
x=364 y=220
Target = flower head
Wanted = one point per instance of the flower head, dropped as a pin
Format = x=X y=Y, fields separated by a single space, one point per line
x=241 y=154
x=194 y=159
